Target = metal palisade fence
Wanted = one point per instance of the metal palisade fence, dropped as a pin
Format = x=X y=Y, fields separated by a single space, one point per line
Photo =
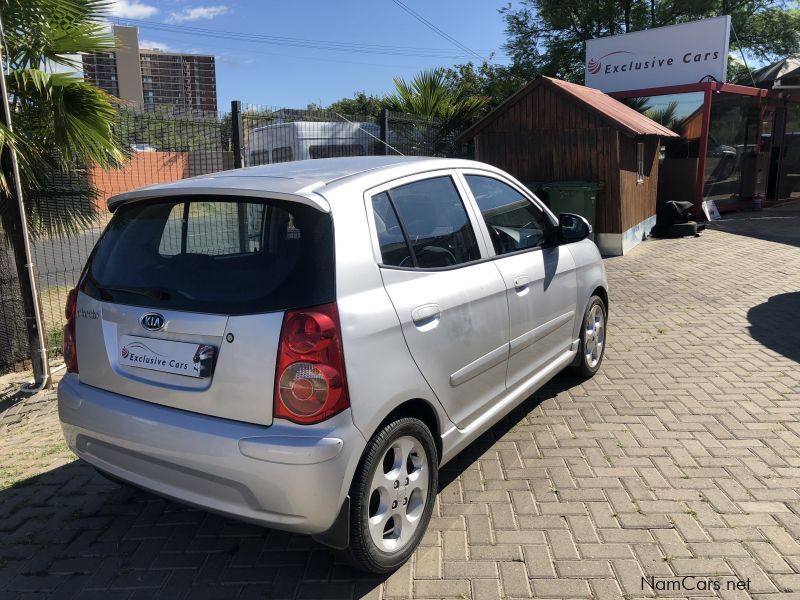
x=162 y=147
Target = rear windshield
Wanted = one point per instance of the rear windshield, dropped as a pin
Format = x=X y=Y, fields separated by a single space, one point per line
x=214 y=256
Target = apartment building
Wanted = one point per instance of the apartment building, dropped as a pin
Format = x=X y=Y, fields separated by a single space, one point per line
x=151 y=77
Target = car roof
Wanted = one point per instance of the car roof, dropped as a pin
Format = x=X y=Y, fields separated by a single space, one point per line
x=295 y=180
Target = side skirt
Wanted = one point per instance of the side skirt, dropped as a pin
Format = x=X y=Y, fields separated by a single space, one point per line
x=454 y=439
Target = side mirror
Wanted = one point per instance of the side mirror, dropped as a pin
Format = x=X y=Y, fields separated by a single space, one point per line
x=572 y=228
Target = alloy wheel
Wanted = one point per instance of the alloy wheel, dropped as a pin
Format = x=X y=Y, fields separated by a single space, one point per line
x=594 y=336
x=398 y=493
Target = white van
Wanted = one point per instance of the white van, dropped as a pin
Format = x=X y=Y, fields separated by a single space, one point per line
x=301 y=140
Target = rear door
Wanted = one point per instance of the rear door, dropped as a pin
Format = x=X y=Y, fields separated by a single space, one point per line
x=539 y=274
x=451 y=304
x=182 y=301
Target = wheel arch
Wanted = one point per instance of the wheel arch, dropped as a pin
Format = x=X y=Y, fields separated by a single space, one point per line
x=338 y=535
x=418 y=409
x=602 y=293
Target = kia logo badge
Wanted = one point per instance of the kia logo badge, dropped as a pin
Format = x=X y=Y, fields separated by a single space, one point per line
x=152 y=321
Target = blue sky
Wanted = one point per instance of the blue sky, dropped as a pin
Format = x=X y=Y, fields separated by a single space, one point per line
x=281 y=75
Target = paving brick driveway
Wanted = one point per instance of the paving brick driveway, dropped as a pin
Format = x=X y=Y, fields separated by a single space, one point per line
x=682 y=457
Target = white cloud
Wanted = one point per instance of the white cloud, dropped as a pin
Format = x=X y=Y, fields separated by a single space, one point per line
x=195 y=13
x=131 y=9
x=151 y=44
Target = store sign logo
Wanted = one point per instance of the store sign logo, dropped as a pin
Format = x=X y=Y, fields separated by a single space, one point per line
x=595 y=65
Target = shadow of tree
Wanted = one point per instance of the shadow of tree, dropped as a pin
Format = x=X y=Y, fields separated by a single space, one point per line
x=772 y=323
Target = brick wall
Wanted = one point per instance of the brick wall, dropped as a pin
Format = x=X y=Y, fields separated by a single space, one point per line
x=143 y=168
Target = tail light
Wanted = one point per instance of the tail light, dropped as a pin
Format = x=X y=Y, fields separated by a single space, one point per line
x=69 y=348
x=310 y=382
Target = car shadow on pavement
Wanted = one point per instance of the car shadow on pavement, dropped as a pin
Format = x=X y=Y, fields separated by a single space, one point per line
x=772 y=323
x=70 y=532
x=467 y=457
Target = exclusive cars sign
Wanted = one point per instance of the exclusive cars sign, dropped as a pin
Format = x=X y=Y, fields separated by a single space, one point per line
x=674 y=55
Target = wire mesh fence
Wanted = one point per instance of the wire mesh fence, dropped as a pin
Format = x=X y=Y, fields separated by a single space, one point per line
x=274 y=135
x=14 y=350
x=162 y=147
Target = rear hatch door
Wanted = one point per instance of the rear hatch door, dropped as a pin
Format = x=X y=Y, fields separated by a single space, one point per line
x=183 y=298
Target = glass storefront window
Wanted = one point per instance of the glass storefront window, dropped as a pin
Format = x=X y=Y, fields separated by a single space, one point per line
x=789 y=179
x=731 y=170
x=679 y=157
x=676 y=111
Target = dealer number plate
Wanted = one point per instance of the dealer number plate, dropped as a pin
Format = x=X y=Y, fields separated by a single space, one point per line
x=180 y=358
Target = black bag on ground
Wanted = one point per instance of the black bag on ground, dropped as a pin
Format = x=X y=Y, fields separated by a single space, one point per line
x=673 y=219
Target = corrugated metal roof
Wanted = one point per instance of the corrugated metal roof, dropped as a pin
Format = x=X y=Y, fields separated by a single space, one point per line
x=625 y=116
x=615 y=112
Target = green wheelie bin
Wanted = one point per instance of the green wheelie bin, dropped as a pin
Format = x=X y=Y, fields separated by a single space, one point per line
x=578 y=197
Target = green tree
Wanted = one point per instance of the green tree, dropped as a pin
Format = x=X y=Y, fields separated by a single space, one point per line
x=360 y=105
x=430 y=94
x=60 y=122
x=492 y=81
x=548 y=36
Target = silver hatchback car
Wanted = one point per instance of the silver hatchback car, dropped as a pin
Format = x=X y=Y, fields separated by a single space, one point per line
x=303 y=345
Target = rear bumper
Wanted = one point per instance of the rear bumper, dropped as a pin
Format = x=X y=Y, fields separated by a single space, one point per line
x=286 y=476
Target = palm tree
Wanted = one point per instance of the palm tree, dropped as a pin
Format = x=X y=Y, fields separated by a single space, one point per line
x=60 y=126
x=429 y=95
x=61 y=123
x=666 y=116
x=642 y=103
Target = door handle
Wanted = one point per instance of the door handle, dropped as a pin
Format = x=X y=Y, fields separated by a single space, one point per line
x=425 y=314
x=521 y=282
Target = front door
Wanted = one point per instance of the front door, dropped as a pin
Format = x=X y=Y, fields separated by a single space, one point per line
x=451 y=305
x=539 y=276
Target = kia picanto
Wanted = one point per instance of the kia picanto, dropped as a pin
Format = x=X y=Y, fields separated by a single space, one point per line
x=303 y=345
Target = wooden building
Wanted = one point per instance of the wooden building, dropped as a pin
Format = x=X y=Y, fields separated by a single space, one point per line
x=552 y=130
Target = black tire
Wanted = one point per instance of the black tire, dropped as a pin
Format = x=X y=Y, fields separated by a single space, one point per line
x=581 y=368
x=363 y=553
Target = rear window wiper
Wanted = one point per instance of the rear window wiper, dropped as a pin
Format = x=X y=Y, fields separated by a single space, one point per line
x=153 y=293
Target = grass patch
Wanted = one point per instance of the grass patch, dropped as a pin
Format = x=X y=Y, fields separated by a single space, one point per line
x=55 y=339
x=33 y=461
x=53 y=301
x=9 y=478
x=54 y=449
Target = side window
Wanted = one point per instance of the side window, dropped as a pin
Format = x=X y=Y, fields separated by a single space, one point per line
x=282 y=154
x=259 y=157
x=334 y=150
x=394 y=247
x=514 y=222
x=430 y=218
